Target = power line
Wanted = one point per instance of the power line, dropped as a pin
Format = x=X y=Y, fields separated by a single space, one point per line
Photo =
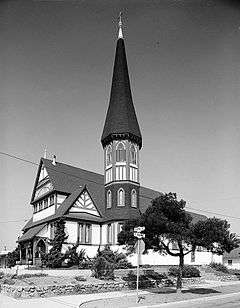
x=8 y=221
x=19 y=158
x=144 y=196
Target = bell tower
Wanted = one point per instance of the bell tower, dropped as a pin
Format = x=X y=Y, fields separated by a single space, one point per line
x=121 y=141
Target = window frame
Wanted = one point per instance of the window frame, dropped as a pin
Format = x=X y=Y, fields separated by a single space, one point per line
x=121 y=157
x=109 y=199
x=109 y=152
x=134 y=194
x=133 y=162
x=121 y=198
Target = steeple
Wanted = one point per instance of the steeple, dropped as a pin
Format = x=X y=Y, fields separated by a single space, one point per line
x=121 y=121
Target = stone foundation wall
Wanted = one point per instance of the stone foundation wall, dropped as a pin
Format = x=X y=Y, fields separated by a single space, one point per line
x=19 y=292
x=47 y=291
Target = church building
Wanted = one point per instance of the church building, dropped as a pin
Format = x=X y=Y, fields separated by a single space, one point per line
x=94 y=206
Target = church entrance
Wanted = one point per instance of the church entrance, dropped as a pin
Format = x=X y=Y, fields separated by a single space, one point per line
x=39 y=251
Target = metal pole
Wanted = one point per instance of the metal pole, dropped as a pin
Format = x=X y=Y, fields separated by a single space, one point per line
x=138 y=257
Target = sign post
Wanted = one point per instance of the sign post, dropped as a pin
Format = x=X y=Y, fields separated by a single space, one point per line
x=138 y=233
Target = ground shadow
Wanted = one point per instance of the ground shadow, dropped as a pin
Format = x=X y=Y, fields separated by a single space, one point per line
x=200 y=291
x=168 y=290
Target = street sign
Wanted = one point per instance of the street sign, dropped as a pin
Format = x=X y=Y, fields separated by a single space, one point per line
x=139 y=235
x=139 y=229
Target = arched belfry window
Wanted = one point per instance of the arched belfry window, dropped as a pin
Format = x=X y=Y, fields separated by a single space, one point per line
x=109 y=156
x=133 y=155
x=134 y=198
x=120 y=153
x=109 y=199
x=121 y=197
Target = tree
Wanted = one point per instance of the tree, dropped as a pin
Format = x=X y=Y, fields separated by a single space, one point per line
x=166 y=222
x=13 y=257
x=55 y=256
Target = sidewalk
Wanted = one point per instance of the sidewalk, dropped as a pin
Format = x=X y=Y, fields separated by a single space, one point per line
x=128 y=298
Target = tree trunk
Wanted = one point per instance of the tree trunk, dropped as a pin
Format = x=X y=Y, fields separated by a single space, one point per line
x=179 y=278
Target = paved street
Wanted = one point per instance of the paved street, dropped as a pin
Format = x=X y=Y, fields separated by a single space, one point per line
x=219 y=301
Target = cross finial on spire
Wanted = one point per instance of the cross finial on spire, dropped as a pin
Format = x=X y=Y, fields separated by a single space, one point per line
x=45 y=152
x=120 y=33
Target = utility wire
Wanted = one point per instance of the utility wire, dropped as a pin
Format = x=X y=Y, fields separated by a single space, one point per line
x=75 y=176
x=7 y=221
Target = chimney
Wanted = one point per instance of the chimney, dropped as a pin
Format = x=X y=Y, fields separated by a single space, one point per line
x=54 y=160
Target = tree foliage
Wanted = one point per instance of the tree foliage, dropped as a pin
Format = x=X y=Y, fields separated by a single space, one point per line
x=55 y=257
x=166 y=222
x=13 y=257
x=73 y=257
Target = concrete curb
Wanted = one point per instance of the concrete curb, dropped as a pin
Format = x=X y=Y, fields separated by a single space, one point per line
x=194 y=300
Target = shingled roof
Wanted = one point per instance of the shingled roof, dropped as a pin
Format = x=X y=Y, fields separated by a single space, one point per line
x=72 y=181
x=121 y=120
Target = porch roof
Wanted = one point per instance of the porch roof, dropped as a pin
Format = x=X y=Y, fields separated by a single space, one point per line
x=30 y=233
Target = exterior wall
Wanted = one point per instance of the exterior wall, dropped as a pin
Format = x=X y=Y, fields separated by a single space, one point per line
x=235 y=263
x=44 y=213
x=60 y=199
x=71 y=229
x=154 y=258
x=96 y=236
x=45 y=232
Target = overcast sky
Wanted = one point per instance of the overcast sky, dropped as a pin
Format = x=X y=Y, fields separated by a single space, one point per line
x=56 y=69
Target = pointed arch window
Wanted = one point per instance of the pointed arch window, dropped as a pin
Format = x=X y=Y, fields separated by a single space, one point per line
x=133 y=155
x=109 y=156
x=109 y=199
x=134 y=198
x=120 y=153
x=121 y=197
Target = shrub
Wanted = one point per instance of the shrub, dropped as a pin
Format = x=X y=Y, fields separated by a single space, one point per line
x=144 y=280
x=119 y=260
x=13 y=257
x=154 y=275
x=85 y=264
x=80 y=278
x=219 y=267
x=73 y=257
x=188 y=271
x=102 y=269
x=106 y=261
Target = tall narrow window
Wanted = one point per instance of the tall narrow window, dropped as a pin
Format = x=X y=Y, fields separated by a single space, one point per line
x=133 y=198
x=109 y=199
x=80 y=233
x=109 y=156
x=52 y=231
x=51 y=200
x=88 y=234
x=133 y=155
x=45 y=203
x=121 y=197
x=109 y=233
x=121 y=153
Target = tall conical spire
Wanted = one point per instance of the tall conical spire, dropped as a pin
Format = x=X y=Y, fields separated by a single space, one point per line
x=121 y=121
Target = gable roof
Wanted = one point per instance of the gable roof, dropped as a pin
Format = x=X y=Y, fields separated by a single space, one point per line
x=67 y=179
x=73 y=181
x=121 y=117
x=30 y=233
